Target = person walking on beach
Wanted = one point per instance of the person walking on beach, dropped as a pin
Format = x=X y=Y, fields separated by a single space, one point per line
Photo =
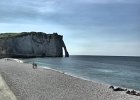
x=34 y=65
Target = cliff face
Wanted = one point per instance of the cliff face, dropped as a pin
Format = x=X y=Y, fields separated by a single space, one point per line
x=33 y=44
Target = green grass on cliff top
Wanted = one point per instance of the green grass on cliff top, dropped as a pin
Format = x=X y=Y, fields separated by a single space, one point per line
x=4 y=36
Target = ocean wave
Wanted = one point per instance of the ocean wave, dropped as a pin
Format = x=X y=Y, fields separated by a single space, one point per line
x=16 y=60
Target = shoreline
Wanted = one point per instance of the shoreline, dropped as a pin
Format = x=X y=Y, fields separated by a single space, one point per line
x=28 y=83
x=72 y=75
x=86 y=79
x=89 y=80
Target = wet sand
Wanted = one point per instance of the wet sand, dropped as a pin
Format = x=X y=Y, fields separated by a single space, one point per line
x=46 y=84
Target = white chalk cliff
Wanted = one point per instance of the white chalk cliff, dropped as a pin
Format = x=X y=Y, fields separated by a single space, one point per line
x=33 y=44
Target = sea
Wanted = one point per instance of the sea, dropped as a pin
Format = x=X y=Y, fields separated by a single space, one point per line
x=120 y=71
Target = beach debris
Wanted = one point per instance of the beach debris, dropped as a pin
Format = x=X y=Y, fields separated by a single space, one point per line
x=130 y=92
x=138 y=94
x=34 y=66
x=133 y=92
x=117 y=88
x=8 y=59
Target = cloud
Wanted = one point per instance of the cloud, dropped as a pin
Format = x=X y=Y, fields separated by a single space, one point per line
x=108 y=1
x=23 y=10
x=84 y=22
x=65 y=12
x=81 y=18
x=70 y=15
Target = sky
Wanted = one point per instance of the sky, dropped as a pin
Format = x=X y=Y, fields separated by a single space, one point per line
x=89 y=27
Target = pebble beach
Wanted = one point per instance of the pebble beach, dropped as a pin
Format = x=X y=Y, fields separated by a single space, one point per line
x=27 y=83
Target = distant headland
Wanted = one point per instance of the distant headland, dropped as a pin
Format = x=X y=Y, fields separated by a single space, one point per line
x=32 y=44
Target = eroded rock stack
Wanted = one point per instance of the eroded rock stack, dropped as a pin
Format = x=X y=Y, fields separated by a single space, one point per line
x=32 y=44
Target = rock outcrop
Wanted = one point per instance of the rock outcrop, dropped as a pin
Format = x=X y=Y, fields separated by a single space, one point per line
x=32 y=44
